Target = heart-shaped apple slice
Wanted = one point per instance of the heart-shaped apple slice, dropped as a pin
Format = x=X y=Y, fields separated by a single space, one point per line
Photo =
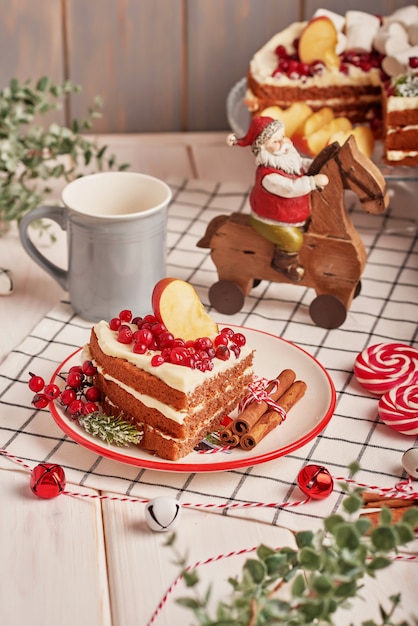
x=318 y=42
x=177 y=305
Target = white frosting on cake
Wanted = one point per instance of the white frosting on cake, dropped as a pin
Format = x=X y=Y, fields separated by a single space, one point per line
x=398 y=155
x=176 y=376
x=398 y=103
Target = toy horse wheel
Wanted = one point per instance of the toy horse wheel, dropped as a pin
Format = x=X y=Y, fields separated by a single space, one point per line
x=226 y=297
x=327 y=311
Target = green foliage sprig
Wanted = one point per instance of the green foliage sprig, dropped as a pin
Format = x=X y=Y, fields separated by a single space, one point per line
x=112 y=430
x=306 y=584
x=30 y=153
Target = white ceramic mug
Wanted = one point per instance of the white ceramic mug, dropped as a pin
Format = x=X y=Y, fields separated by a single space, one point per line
x=116 y=225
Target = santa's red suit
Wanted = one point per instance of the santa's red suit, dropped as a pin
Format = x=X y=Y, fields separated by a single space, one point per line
x=269 y=206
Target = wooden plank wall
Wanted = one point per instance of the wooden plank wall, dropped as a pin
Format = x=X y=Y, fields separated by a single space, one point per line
x=160 y=65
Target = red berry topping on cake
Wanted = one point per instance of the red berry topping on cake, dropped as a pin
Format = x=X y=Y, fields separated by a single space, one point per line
x=125 y=334
x=413 y=62
x=115 y=323
x=125 y=315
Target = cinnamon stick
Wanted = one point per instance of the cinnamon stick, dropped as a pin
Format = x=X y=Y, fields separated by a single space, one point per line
x=229 y=438
x=376 y=501
x=270 y=419
x=250 y=416
x=374 y=516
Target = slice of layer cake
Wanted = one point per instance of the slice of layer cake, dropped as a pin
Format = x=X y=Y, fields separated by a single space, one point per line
x=174 y=389
x=400 y=108
x=333 y=61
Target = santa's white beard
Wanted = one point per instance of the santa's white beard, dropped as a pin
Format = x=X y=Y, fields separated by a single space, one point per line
x=288 y=159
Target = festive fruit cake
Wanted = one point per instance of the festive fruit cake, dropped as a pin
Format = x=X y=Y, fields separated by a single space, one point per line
x=400 y=115
x=333 y=64
x=173 y=373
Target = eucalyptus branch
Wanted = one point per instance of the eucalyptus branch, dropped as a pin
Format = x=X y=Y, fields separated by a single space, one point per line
x=325 y=570
x=32 y=154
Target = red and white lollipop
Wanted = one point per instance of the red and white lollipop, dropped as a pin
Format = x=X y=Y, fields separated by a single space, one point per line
x=384 y=366
x=398 y=408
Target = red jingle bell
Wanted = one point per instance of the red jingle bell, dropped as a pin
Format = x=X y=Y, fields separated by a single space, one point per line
x=315 y=481
x=47 y=480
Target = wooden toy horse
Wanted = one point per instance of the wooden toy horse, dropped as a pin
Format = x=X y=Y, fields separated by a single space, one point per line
x=332 y=254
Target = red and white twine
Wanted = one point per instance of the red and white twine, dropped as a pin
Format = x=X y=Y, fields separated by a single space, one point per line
x=402 y=490
x=258 y=393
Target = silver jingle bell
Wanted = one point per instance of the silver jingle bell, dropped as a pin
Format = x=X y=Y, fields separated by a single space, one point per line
x=410 y=462
x=162 y=514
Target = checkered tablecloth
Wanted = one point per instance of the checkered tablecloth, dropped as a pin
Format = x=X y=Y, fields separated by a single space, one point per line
x=386 y=310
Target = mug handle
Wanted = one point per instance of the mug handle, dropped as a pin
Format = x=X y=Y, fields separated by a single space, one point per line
x=58 y=215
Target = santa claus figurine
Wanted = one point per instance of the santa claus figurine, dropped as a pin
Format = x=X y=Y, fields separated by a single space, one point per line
x=280 y=198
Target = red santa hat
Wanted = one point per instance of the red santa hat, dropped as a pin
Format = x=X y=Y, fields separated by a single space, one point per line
x=261 y=129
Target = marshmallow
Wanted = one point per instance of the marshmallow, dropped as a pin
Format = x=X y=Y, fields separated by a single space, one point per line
x=398 y=63
x=404 y=15
x=361 y=29
x=413 y=34
x=391 y=38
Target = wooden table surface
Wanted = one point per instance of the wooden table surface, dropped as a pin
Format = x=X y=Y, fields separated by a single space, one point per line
x=72 y=561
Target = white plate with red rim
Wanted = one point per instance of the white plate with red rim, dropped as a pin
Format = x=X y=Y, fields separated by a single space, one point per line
x=304 y=421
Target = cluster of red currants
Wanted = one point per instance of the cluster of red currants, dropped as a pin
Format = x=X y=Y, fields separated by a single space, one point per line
x=148 y=334
x=292 y=66
x=366 y=61
x=79 y=397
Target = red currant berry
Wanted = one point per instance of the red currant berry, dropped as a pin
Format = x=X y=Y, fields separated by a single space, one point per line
x=190 y=361
x=76 y=368
x=150 y=319
x=223 y=353
x=211 y=352
x=203 y=343
x=115 y=323
x=93 y=394
x=136 y=320
x=221 y=340
x=228 y=332
x=157 y=360
x=40 y=401
x=165 y=340
x=158 y=328
x=36 y=383
x=75 y=408
x=235 y=349
x=68 y=396
x=75 y=379
x=139 y=348
x=52 y=391
x=89 y=407
x=125 y=315
x=143 y=336
x=239 y=339
x=413 y=62
x=178 y=355
x=88 y=368
x=125 y=334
